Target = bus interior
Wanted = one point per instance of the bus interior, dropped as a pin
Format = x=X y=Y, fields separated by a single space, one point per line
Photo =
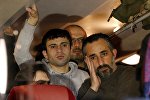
x=94 y=16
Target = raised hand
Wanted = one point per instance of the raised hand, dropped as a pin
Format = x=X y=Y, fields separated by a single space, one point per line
x=8 y=31
x=95 y=80
x=33 y=15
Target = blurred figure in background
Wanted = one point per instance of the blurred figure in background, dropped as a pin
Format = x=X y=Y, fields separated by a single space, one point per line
x=143 y=68
x=36 y=74
x=78 y=34
x=13 y=68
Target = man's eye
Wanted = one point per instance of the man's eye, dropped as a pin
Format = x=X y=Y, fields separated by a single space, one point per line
x=103 y=54
x=64 y=45
x=52 y=46
x=82 y=39
x=92 y=58
x=77 y=40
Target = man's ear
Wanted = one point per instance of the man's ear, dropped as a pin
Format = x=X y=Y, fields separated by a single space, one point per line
x=45 y=54
x=115 y=52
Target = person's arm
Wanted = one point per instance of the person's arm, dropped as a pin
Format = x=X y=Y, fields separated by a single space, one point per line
x=25 y=38
x=9 y=39
x=23 y=43
x=86 y=93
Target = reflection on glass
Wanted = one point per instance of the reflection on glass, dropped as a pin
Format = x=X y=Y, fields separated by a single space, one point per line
x=3 y=66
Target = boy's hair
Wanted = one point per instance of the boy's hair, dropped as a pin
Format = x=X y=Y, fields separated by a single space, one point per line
x=27 y=73
x=40 y=67
x=96 y=37
x=55 y=33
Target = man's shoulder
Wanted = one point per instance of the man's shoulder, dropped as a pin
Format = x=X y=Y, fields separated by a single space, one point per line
x=126 y=71
x=78 y=72
x=126 y=68
x=82 y=73
x=74 y=66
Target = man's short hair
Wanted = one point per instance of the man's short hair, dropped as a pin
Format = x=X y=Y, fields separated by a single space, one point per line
x=75 y=26
x=96 y=37
x=53 y=34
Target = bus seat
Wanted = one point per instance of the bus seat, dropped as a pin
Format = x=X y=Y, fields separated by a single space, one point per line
x=40 y=92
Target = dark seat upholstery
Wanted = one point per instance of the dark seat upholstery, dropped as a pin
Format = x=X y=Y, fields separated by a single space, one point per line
x=40 y=92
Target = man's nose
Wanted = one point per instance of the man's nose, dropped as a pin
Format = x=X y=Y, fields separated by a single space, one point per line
x=59 y=48
x=100 y=61
x=76 y=43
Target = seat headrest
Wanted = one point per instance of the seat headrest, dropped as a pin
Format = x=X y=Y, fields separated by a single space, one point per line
x=40 y=92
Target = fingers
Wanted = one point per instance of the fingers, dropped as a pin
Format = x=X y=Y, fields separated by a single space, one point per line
x=88 y=63
x=90 y=66
x=33 y=15
x=32 y=11
x=8 y=29
x=34 y=7
x=95 y=80
x=28 y=9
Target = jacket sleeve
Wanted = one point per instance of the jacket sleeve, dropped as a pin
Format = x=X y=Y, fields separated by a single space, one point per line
x=21 y=52
x=86 y=93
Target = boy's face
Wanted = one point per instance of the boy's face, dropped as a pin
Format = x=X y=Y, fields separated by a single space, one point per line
x=58 y=51
x=40 y=75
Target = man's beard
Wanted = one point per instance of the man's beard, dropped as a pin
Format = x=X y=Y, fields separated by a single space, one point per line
x=106 y=73
x=77 y=57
